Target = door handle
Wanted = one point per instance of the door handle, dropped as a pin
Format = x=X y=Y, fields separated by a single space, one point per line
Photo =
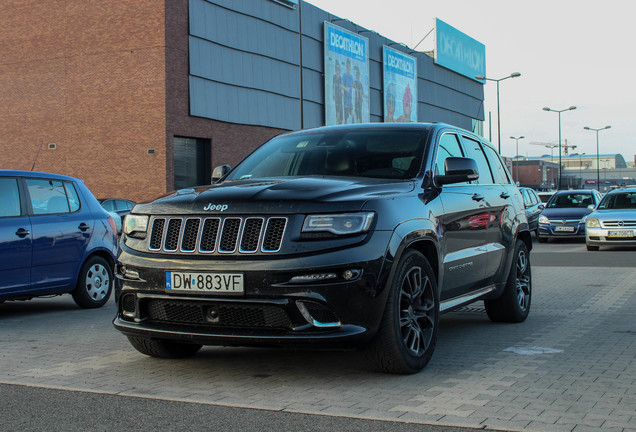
x=505 y=195
x=22 y=232
x=478 y=197
x=83 y=226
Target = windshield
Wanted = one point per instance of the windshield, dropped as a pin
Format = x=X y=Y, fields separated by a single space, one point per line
x=367 y=153
x=620 y=200
x=569 y=200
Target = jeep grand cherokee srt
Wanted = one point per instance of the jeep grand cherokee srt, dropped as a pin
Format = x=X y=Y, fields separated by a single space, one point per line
x=332 y=237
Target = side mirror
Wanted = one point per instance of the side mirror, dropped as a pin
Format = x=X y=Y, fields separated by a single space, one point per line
x=541 y=206
x=458 y=170
x=591 y=207
x=220 y=172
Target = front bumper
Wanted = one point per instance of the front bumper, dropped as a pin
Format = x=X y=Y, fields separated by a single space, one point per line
x=608 y=237
x=273 y=310
x=562 y=230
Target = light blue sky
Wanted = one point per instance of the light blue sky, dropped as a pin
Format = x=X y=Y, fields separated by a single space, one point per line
x=569 y=52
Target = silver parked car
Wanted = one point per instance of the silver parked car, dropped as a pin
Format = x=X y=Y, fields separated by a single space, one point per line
x=613 y=222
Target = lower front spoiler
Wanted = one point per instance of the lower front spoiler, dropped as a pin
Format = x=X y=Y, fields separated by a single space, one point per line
x=345 y=336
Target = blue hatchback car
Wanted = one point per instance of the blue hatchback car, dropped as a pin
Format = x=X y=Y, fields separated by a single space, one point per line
x=564 y=213
x=55 y=238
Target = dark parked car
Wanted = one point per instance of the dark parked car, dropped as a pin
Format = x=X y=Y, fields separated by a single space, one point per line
x=118 y=205
x=118 y=208
x=533 y=206
x=564 y=213
x=55 y=238
x=338 y=237
x=613 y=222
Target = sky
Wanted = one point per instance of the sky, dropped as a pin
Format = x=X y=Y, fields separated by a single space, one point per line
x=569 y=53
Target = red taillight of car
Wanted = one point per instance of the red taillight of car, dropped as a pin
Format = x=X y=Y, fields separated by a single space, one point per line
x=113 y=225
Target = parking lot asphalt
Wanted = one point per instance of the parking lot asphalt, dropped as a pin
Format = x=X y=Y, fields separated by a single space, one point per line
x=570 y=367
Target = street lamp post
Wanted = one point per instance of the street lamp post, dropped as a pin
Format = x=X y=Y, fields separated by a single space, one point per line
x=598 y=164
x=559 y=111
x=483 y=78
x=581 y=169
x=517 y=156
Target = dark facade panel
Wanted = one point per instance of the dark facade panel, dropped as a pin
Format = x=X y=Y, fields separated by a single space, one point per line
x=240 y=105
x=248 y=70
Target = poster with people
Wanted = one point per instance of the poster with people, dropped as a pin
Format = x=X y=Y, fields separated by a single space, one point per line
x=346 y=76
x=400 y=86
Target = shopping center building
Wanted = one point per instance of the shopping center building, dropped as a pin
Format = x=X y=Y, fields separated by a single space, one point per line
x=141 y=97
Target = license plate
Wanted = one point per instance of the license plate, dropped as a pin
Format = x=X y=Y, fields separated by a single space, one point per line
x=564 y=228
x=209 y=283
x=622 y=233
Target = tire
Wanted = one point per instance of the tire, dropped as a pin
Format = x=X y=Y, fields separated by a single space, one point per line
x=163 y=348
x=94 y=283
x=514 y=304
x=407 y=335
x=591 y=248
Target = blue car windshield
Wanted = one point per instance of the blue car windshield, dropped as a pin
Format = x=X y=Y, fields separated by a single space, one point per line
x=618 y=201
x=570 y=200
x=366 y=153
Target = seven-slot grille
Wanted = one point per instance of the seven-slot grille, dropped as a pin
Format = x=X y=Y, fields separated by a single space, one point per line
x=225 y=235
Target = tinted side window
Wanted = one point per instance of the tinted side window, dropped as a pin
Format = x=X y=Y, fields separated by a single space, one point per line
x=109 y=205
x=47 y=196
x=448 y=147
x=9 y=197
x=499 y=170
x=534 y=196
x=527 y=201
x=473 y=150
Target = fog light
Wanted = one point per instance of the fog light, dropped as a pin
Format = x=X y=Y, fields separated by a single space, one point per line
x=350 y=274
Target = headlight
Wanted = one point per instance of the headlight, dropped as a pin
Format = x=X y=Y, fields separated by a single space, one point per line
x=592 y=222
x=544 y=220
x=339 y=224
x=135 y=225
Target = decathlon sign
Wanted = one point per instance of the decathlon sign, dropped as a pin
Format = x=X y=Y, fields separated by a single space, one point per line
x=458 y=52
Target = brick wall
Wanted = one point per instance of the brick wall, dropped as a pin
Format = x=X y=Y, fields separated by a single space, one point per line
x=105 y=81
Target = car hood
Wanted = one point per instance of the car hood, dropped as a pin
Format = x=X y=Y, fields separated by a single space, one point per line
x=288 y=195
x=618 y=214
x=565 y=213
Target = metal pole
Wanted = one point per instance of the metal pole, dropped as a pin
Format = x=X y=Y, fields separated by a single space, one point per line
x=498 y=121
x=598 y=166
x=559 y=187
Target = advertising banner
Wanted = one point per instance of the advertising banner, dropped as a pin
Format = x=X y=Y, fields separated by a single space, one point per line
x=346 y=76
x=458 y=52
x=400 y=86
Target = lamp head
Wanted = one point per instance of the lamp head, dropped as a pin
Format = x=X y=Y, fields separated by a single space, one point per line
x=480 y=78
x=572 y=108
x=546 y=109
x=607 y=127
x=515 y=75
x=586 y=128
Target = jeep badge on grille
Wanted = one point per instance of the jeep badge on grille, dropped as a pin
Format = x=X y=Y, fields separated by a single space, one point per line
x=215 y=207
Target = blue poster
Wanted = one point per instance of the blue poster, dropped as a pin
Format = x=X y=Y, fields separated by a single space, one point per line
x=346 y=76
x=400 y=86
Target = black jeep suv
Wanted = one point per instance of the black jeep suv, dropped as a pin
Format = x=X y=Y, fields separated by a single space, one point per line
x=335 y=237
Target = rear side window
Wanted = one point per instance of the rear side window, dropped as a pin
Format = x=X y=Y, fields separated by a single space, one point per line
x=73 y=198
x=9 y=197
x=49 y=197
x=499 y=171
x=473 y=150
